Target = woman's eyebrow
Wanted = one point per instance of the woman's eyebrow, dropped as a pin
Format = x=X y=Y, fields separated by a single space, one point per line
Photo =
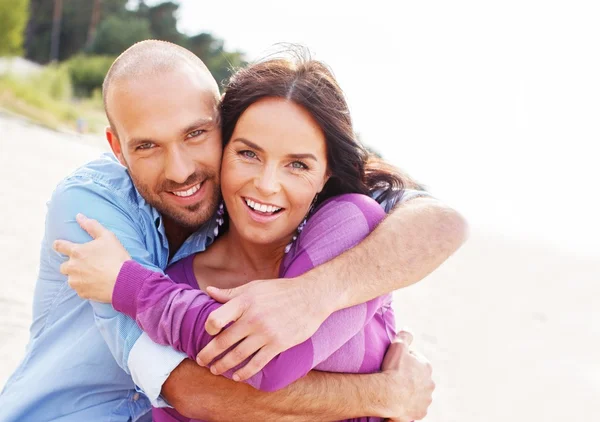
x=258 y=148
x=303 y=156
x=249 y=143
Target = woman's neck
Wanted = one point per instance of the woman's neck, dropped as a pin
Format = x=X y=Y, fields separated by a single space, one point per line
x=259 y=261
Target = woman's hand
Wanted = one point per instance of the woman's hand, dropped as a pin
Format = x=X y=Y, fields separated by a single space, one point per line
x=93 y=267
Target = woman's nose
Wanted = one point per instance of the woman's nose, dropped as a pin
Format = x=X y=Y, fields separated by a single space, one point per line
x=267 y=181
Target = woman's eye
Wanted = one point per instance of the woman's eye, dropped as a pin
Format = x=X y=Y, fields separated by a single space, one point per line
x=195 y=133
x=299 y=165
x=247 y=154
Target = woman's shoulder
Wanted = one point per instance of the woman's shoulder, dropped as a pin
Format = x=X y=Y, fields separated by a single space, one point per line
x=182 y=271
x=349 y=206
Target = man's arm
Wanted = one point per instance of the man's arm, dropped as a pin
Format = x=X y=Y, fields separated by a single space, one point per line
x=402 y=392
x=120 y=332
x=417 y=237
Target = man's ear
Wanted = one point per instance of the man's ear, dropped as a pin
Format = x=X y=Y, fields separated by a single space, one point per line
x=115 y=145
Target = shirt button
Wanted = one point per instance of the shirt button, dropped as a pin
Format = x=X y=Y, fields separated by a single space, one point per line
x=136 y=396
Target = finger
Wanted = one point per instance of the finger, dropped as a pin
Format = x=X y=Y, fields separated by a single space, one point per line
x=256 y=364
x=91 y=226
x=219 y=318
x=220 y=344
x=65 y=267
x=64 y=247
x=405 y=337
x=238 y=354
x=422 y=359
x=393 y=355
x=224 y=295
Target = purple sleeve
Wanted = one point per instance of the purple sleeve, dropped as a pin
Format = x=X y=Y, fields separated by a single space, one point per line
x=170 y=313
x=175 y=314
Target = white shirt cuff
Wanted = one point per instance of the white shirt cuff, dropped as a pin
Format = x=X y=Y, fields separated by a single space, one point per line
x=150 y=365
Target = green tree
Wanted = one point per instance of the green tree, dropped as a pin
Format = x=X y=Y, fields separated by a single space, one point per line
x=74 y=29
x=163 y=22
x=115 y=34
x=13 y=17
x=211 y=50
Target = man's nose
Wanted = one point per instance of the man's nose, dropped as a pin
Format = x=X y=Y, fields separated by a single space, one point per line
x=178 y=167
x=267 y=182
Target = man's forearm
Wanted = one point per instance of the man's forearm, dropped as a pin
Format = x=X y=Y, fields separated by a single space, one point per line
x=415 y=239
x=196 y=393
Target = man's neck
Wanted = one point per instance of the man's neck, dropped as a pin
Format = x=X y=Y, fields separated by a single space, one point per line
x=176 y=235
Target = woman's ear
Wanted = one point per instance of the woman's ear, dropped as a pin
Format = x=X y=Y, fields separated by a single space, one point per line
x=325 y=180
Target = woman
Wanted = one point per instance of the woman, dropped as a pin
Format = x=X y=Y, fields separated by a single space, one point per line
x=295 y=186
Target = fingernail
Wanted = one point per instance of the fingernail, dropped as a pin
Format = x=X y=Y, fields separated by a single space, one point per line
x=82 y=217
x=199 y=362
x=236 y=377
x=213 y=370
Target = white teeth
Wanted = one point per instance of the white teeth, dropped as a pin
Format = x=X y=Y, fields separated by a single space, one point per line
x=189 y=192
x=261 y=207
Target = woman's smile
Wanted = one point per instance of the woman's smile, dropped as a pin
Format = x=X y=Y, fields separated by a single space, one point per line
x=262 y=212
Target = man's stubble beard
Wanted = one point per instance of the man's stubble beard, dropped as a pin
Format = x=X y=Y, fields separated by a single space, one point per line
x=195 y=215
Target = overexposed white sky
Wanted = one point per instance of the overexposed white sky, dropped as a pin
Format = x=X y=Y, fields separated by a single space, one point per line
x=494 y=105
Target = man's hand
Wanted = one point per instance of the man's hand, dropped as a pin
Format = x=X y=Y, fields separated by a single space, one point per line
x=93 y=267
x=410 y=382
x=268 y=316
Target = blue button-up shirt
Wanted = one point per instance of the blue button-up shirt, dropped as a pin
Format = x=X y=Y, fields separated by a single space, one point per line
x=84 y=359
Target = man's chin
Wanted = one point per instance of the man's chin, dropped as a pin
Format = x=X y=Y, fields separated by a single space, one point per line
x=192 y=217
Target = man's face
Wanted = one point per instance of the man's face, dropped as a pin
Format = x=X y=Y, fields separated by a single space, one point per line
x=168 y=136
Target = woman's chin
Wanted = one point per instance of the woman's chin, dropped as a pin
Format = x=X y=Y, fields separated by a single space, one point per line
x=265 y=240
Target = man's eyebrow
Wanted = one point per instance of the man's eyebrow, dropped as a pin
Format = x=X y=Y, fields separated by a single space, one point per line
x=205 y=121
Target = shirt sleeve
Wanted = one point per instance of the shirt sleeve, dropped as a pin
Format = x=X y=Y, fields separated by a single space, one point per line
x=120 y=332
x=400 y=197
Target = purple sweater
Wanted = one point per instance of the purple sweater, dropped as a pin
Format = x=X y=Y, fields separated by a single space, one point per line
x=352 y=340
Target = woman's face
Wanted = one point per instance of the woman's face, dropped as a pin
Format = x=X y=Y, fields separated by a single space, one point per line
x=273 y=166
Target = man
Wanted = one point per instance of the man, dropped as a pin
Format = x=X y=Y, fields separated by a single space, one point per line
x=159 y=199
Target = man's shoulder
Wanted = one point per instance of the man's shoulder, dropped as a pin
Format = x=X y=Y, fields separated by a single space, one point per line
x=103 y=177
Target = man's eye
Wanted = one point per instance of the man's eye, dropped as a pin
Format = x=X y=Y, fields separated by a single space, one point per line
x=195 y=133
x=145 y=145
x=247 y=154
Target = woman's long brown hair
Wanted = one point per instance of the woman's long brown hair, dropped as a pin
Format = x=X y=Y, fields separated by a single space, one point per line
x=310 y=84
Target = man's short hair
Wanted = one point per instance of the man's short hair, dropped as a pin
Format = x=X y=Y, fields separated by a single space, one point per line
x=149 y=58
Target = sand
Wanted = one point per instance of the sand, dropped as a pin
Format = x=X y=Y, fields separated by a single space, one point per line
x=511 y=327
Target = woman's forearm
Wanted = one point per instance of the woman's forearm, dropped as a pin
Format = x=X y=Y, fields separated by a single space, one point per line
x=175 y=314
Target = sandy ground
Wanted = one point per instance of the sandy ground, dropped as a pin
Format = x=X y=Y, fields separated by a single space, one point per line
x=510 y=327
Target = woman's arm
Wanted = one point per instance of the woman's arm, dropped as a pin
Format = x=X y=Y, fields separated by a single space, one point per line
x=176 y=314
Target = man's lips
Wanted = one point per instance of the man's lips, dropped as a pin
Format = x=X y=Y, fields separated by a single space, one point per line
x=189 y=195
x=184 y=193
